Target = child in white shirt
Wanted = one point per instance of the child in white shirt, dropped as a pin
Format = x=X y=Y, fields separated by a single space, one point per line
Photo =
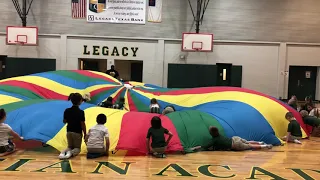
x=154 y=106
x=6 y=146
x=97 y=139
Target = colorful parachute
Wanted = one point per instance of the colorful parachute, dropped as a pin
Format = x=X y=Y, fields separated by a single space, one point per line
x=35 y=106
x=58 y=85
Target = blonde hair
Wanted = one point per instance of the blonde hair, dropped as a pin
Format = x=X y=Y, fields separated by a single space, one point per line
x=304 y=113
x=86 y=97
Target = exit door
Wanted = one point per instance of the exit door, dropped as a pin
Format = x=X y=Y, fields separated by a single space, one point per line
x=2 y=67
x=89 y=65
x=223 y=74
x=302 y=81
x=136 y=71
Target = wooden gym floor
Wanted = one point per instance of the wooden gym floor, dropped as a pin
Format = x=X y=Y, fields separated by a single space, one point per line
x=290 y=161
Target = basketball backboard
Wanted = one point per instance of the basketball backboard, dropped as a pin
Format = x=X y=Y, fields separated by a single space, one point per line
x=197 y=42
x=22 y=35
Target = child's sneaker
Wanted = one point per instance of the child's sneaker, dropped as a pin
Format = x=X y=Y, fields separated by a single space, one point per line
x=68 y=155
x=269 y=146
x=297 y=141
x=62 y=155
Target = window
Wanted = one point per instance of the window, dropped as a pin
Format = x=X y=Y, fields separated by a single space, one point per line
x=224 y=74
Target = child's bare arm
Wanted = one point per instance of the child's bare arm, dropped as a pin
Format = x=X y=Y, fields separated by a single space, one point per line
x=107 y=144
x=288 y=136
x=15 y=135
x=65 y=117
x=87 y=137
x=170 y=136
x=84 y=128
x=148 y=145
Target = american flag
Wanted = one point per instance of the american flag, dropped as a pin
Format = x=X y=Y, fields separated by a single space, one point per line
x=152 y=2
x=78 y=9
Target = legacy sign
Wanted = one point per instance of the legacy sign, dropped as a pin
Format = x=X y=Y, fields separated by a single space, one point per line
x=110 y=51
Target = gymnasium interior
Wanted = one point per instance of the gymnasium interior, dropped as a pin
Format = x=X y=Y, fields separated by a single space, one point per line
x=247 y=68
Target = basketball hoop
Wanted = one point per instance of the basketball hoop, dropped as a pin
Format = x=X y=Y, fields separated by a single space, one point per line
x=197 y=42
x=19 y=43
x=22 y=36
x=197 y=45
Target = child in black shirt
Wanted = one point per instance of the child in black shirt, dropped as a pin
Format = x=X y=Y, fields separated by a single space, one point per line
x=75 y=119
x=108 y=103
x=120 y=104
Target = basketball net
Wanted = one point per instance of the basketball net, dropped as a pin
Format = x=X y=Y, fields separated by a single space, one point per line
x=19 y=43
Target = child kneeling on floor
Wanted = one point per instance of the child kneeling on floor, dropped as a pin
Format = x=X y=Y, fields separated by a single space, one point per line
x=159 y=143
x=74 y=117
x=6 y=146
x=96 y=137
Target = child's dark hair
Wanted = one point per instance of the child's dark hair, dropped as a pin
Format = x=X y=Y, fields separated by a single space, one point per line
x=122 y=100
x=109 y=99
x=156 y=122
x=101 y=119
x=289 y=115
x=2 y=114
x=76 y=99
x=69 y=98
x=153 y=101
x=214 y=131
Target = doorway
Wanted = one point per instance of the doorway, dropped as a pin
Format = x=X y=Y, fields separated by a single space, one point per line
x=2 y=66
x=302 y=81
x=93 y=64
x=129 y=70
x=136 y=71
x=223 y=74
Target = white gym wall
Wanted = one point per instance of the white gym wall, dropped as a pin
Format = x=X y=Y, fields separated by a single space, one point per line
x=262 y=62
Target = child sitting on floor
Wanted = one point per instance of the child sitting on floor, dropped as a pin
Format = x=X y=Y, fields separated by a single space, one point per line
x=108 y=103
x=159 y=143
x=294 y=129
x=120 y=104
x=154 y=106
x=222 y=143
x=96 y=137
x=6 y=146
